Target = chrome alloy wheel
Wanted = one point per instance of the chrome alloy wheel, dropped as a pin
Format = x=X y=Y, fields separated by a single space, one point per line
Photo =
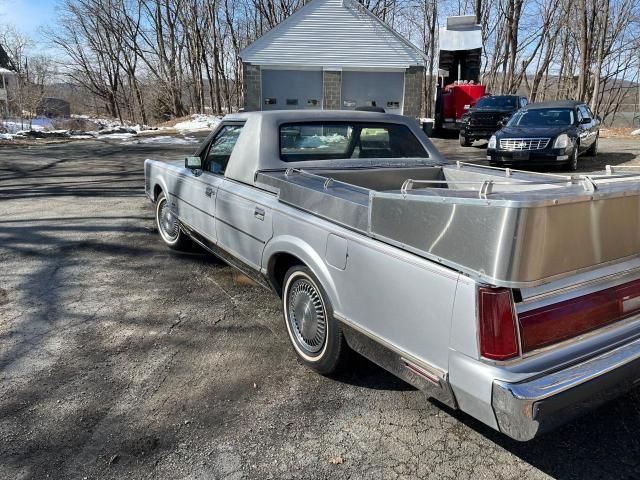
x=168 y=224
x=573 y=163
x=306 y=315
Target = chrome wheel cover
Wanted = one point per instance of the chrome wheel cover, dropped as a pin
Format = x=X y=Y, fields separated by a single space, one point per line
x=167 y=222
x=306 y=315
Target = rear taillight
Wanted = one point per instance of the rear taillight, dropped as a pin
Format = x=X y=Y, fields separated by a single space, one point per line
x=498 y=334
x=554 y=323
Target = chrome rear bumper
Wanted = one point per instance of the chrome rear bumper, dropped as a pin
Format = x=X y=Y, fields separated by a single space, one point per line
x=525 y=410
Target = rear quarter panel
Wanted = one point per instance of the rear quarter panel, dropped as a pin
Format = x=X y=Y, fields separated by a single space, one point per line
x=390 y=294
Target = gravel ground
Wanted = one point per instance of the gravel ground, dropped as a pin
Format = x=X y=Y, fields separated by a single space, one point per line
x=122 y=359
x=613 y=151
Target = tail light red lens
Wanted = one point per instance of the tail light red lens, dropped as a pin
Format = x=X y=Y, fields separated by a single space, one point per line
x=554 y=323
x=498 y=334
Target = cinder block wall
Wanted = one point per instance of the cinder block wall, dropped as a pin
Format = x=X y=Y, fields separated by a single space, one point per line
x=251 y=87
x=332 y=90
x=413 y=85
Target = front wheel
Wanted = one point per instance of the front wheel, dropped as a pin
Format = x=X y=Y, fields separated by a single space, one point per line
x=464 y=141
x=573 y=161
x=169 y=226
x=315 y=334
x=593 y=149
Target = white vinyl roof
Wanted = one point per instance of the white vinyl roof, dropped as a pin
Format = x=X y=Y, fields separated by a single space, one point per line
x=333 y=34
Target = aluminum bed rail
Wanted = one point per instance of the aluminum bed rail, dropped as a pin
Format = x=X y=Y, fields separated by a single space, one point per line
x=500 y=226
x=486 y=186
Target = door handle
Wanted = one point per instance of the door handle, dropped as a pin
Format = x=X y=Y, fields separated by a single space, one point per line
x=209 y=192
x=259 y=213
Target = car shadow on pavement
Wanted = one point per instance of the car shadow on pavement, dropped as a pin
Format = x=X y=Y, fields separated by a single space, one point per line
x=598 y=163
x=361 y=372
x=603 y=444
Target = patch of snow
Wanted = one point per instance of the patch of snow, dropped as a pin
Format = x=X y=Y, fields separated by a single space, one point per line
x=6 y=136
x=199 y=121
x=15 y=126
x=168 y=139
x=41 y=123
x=111 y=123
x=82 y=136
x=636 y=132
x=120 y=136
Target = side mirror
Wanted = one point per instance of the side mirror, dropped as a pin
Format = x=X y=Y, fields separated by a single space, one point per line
x=585 y=121
x=193 y=163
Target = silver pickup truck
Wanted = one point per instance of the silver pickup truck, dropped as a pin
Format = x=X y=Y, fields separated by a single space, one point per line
x=512 y=296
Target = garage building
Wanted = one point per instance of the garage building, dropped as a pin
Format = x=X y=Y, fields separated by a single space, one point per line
x=333 y=54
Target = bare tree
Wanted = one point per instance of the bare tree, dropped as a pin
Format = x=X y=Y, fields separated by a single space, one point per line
x=166 y=58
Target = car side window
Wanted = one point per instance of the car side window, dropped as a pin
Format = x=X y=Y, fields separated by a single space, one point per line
x=585 y=113
x=579 y=116
x=523 y=102
x=221 y=148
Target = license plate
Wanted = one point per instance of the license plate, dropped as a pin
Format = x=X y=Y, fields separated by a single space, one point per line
x=521 y=155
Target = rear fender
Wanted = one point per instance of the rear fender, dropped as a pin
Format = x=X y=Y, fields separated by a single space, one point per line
x=307 y=255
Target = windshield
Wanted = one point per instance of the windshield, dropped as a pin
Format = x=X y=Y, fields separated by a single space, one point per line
x=547 y=117
x=496 y=103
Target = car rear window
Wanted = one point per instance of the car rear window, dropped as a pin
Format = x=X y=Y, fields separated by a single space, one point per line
x=496 y=103
x=340 y=140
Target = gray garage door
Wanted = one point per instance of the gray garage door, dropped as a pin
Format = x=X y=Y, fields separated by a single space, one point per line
x=291 y=89
x=364 y=88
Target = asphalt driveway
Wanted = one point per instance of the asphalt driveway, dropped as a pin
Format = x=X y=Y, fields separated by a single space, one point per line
x=122 y=359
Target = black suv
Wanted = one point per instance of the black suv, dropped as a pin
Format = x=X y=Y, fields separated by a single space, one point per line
x=546 y=133
x=487 y=116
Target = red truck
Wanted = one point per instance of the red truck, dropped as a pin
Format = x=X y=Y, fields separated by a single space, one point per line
x=458 y=71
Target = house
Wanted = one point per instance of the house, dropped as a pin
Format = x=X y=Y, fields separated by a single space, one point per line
x=333 y=54
x=6 y=71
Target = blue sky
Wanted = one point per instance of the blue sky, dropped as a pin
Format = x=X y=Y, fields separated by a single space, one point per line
x=27 y=15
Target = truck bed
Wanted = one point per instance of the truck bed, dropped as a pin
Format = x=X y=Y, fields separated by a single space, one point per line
x=501 y=226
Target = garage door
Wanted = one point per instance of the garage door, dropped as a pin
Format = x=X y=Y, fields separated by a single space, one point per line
x=385 y=89
x=291 y=89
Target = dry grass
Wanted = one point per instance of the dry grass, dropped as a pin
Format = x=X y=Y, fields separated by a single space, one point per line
x=616 y=132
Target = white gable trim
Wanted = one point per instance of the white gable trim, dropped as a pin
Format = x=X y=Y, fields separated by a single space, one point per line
x=330 y=68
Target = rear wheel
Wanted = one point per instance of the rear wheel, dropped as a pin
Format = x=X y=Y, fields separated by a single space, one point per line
x=315 y=334
x=169 y=226
x=464 y=141
x=593 y=149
